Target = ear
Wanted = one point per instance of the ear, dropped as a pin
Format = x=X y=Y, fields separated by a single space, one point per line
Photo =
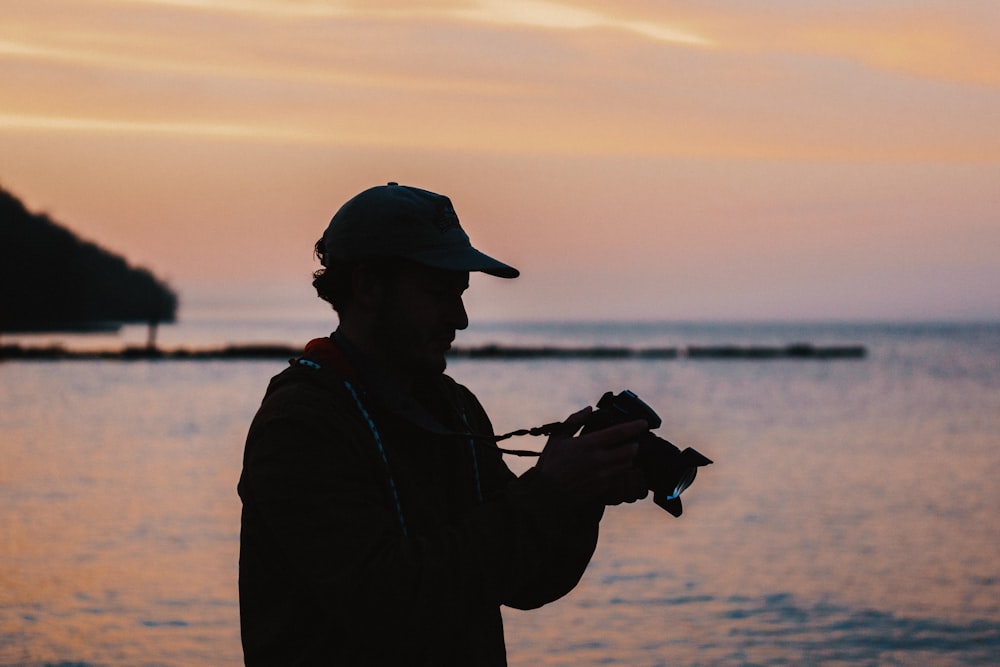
x=368 y=287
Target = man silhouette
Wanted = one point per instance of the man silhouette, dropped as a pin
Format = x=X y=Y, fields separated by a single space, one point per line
x=380 y=525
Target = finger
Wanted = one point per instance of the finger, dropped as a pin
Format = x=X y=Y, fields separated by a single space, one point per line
x=626 y=487
x=578 y=419
x=608 y=467
x=618 y=458
x=573 y=423
x=635 y=486
x=614 y=436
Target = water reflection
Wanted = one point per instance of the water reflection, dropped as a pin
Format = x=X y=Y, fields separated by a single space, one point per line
x=850 y=517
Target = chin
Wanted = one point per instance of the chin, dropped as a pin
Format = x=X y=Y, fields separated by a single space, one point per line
x=434 y=367
x=427 y=366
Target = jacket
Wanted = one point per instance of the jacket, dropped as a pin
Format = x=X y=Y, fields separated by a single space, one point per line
x=367 y=539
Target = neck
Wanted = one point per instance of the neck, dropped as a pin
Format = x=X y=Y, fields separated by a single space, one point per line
x=373 y=357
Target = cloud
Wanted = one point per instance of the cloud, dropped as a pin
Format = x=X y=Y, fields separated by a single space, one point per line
x=126 y=126
x=806 y=82
x=572 y=16
x=938 y=40
x=727 y=125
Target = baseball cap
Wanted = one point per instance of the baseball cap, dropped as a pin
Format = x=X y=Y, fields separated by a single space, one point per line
x=401 y=221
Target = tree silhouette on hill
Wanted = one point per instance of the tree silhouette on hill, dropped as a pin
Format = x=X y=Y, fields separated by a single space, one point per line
x=51 y=280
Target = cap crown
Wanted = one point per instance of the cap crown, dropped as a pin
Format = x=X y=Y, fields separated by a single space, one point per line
x=401 y=221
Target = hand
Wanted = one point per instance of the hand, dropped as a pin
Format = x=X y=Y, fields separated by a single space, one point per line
x=598 y=465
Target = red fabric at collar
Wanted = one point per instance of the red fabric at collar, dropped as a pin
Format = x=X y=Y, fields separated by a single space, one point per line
x=328 y=354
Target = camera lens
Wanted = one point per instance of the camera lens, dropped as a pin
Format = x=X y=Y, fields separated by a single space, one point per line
x=683 y=482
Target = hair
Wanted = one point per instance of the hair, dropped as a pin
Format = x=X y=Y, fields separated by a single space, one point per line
x=333 y=281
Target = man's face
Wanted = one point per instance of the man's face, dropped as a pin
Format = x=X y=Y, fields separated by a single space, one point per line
x=417 y=317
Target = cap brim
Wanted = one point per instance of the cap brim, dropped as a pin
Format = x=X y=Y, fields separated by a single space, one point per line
x=466 y=259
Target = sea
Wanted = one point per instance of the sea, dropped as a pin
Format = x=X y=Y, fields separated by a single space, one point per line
x=851 y=515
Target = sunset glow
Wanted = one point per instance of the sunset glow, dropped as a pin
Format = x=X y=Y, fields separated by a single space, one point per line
x=705 y=160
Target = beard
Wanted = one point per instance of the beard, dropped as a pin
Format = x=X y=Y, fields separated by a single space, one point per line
x=408 y=346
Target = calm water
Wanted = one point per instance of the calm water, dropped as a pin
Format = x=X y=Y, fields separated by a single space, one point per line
x=851 y=517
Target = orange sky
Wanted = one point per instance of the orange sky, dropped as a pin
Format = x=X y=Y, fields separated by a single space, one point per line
x=660 y=160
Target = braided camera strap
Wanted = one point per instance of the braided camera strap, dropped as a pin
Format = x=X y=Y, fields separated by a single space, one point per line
x=544 y=429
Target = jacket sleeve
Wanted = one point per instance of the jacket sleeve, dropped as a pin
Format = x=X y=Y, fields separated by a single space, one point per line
x=562 y=530
x=317 y=497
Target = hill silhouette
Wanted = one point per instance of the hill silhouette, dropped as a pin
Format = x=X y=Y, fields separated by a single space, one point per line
x=51 y=280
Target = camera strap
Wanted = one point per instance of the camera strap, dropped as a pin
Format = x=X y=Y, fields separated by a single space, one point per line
x=329 y=353
x=544 y=429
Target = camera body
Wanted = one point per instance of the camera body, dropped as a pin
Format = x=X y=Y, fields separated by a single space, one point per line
x=667 y=469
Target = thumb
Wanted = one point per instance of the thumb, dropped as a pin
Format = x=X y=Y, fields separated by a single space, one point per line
x=574 y=422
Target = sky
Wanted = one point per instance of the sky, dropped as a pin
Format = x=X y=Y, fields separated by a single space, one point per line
x=641 y=159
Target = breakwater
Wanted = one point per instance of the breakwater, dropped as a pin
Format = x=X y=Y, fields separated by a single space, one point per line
x=486 y=352
x=793 y=351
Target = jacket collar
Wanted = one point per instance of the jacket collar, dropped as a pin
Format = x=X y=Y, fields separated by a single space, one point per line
x=340 y=354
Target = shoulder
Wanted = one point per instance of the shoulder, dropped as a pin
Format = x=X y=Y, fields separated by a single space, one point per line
x=448 y=385
x=301 y=388
x=461 y=395
x=302 y=399
x=467 y=404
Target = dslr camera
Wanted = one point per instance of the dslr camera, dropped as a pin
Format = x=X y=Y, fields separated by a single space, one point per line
x=667 y=469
